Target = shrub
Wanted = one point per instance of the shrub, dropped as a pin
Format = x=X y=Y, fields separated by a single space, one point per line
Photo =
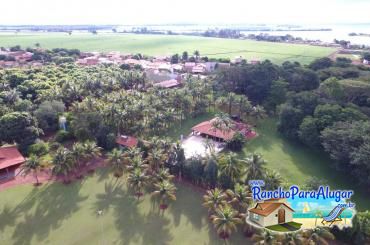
x=236 y=143
x=39 y=149
x=63 y=136
x=54 y=146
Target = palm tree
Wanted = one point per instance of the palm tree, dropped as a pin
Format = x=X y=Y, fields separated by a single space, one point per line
x=230 y=166
x=115 y=159
x=272 y=180
x=136 y=162
x=255 y=166
x=214 y=199
x=196 y=54
x=225 y=221
x=163 y=175
x=62 y=163
x=137 y=180
x=166 y=191
x=92 y=150
x=77 y=154
x=222 y=122
x=241 y=196
x=244 y=105
x=318 y=214
x=156 y=158
x=32 y=164
x=319 y=236
x=258 y=112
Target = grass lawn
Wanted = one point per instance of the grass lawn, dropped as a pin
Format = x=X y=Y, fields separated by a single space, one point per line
x=67 y=214
x=281 y=228
x=295 y=224
x=168 y=45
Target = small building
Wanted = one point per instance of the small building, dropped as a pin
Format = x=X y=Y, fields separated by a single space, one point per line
x=199 y=69
x=91 y=61
x=172 y=83
x=237 y=60
x=210 y=66
x=207 y=129
x=222 y=66
x=188 y=66
x=365 y=62
x=177 y=67
x=131 y=62
x=271 y=212
x=255 y=61
x=165 y=67
x=10 y=159
x=125 y=141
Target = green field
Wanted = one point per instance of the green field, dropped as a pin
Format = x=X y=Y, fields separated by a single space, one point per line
x=168 y=45
x=67 y=214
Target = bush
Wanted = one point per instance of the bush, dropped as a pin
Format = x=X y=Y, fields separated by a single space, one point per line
x=54 y=146
x=63 y=136
x=39 y=149
x=236 y=143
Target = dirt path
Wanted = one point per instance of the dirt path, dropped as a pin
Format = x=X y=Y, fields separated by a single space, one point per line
x=46 y=176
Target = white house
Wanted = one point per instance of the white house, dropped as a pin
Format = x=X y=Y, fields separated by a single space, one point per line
x=271 y=212
x=365 y=62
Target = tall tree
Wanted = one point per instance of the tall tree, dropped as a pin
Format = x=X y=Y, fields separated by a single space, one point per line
x=62 y=163
x=213 y=199
x=137 y=179
x=19 y=127
x=254 y=164
x=166 y=192
x=115 y=159
x=225 y=221
x=33 y=165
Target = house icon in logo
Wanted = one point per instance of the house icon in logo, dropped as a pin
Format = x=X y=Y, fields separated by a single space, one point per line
x=271 y=212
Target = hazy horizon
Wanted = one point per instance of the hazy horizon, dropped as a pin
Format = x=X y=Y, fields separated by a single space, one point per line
x=165 y=12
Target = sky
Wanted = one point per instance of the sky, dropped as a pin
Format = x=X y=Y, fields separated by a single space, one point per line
x=135 y=12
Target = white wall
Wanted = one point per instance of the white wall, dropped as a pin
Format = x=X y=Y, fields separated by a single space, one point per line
x=272 y=219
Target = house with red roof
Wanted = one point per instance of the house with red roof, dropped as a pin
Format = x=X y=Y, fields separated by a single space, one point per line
x=10 y=159
x=271 y=212
x=172 y=83
x=125 y=141
x=208 y=129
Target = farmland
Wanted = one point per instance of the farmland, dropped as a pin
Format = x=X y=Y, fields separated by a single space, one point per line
x=168 y=45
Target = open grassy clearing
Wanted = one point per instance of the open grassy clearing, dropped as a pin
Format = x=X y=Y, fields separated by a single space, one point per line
x=168 y=45
x=67 y=214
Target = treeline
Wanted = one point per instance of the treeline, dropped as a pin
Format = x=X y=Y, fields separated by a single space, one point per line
x=56 y=55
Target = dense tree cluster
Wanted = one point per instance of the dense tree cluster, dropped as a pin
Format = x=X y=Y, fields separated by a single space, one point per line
x=311 y=102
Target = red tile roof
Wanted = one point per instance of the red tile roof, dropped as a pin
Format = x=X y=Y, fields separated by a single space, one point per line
x=267 y=208
x=168 y=84
x=208 y=129
x=127 y=141
x=10 y=156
